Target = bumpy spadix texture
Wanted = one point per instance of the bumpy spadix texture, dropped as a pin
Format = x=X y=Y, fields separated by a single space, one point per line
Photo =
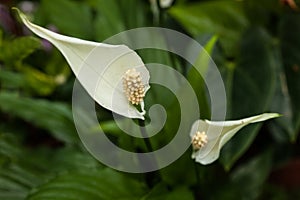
x=218 y=134
x=133 y=86
x=99 y=67
x=199 y=140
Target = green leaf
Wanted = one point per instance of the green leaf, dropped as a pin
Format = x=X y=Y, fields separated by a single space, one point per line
x=250 y=90
x=37 y=81
x=11 y=79
x=54 y=117
x=89 y=184
x=16 y=179
x=30 y=79
x=224 y=18
x=160 y=192
x=261 y=12
x=282 y=129
x=196 y=80
x=184 y=163
x=22 y=169
x=107 y=23
x=247 y=180
x=70 y=17
x=290 y=50
x=250 y=176
x=14 y=51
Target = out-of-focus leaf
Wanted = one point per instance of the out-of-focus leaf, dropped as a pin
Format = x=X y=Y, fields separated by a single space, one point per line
x=23 y=168
x=290 y=50
x=282 y=128
x=39 y=82
x=224 y=18
x=202 y=64
x=250 y=90
x=15 y=179
x=70 y=17
x=31 y=80
x=184 y=162
x=71 y=158
x=107 y=23
x=11 y=79
x=260 y=12
x=139 y=18
x=54 y=117
x=91 y=184
x=247 y=180
x=1 y=37
x=249 y=184
x=160 y=192
x=14 y=51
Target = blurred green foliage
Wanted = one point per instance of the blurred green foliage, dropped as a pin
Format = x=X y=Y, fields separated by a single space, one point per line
x=255 y=44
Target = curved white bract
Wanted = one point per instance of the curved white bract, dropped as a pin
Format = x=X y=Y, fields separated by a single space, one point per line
x=219 y=133
x=106 y=63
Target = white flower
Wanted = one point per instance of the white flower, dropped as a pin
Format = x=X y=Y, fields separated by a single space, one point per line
x=112 y=64
x=165 y=3
x=208 y=137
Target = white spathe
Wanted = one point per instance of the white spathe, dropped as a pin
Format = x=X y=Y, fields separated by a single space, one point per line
x=219 y=133
x=165 y=3
x=102 y=65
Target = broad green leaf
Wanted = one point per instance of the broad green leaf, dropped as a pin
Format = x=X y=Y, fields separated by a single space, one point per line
x=261 y=12
x=70 y=17
x=107 y=23
x=23 y=168
x=184 y=163
x=37 y=81
x=139 y=18
x=290 y=51
x=249 y=184
x=51 y=116
x=201 y=65
x=223 y=18
x=282 y=128
x=13 y=51
x=247 y=180
x=71 y=158
x=30 y=80
x=160 y=192
x=16 y=177
x=11 y=79
x=90 y=184
x=250 y=90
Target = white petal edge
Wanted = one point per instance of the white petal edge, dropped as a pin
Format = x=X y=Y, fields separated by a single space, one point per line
x=107 y=61
x=165 y=3
x=228 y=130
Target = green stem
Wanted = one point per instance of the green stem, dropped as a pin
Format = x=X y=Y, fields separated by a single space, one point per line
x=198 y=183
x=151 y=177
x=145 y=136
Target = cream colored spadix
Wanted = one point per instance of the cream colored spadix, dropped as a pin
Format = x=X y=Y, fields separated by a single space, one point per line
x=219 y=133
x=99 y=67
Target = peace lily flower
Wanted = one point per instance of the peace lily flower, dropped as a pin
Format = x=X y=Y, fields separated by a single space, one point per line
x=123 y=79
x=208 y=137
x=165 y=3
